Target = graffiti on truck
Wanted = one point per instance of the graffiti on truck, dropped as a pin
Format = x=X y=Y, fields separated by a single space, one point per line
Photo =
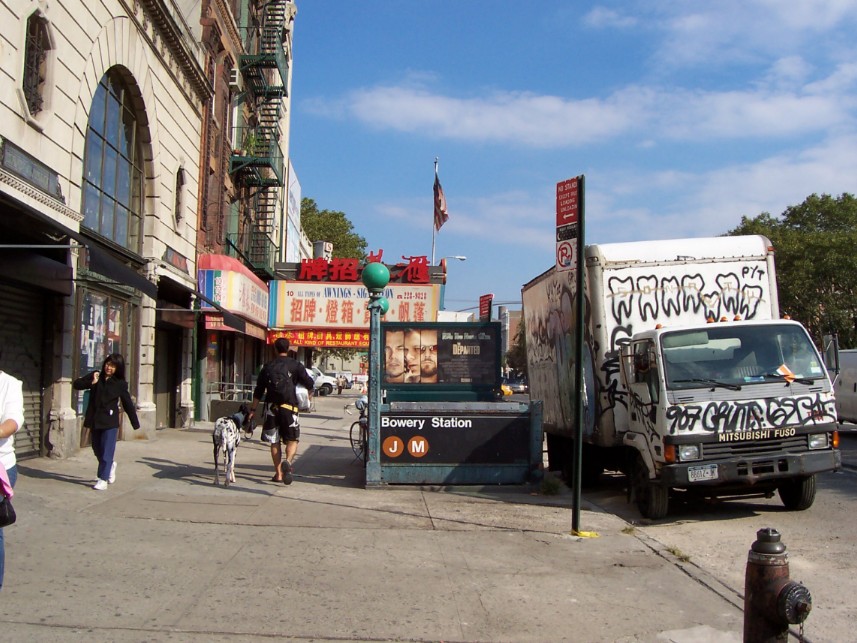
x=663 y=298
x=773 y=414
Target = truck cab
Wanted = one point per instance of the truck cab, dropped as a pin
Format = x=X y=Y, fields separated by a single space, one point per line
x=728 y=408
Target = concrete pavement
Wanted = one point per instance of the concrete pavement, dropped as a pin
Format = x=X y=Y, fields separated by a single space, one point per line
x=164 y=555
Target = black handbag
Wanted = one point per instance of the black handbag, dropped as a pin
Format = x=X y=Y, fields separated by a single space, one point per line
x=7 y=512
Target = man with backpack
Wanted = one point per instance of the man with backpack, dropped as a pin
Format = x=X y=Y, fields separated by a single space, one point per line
x=277 y=384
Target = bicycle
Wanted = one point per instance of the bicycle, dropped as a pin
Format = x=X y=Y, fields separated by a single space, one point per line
x=358 y=434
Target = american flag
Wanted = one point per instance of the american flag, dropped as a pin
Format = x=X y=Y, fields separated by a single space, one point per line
x=440 y=214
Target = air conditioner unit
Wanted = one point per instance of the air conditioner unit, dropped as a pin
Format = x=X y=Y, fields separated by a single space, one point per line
x=236 y=83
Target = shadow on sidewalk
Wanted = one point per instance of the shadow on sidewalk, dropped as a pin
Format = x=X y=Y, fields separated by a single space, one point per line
x=40 y=474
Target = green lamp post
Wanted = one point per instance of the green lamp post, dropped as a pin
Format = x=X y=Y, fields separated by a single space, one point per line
x=375 y=277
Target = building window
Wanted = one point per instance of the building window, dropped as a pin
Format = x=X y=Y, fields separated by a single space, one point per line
x=105 y=328
x=112 y=165
x=180 y=181
x=36 y=62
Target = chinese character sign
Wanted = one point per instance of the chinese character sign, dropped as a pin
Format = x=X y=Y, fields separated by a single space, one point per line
x=303 y=304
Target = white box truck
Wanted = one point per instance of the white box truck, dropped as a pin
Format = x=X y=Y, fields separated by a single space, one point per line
x=692 y=382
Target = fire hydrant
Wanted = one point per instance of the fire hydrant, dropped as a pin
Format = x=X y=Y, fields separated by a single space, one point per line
x=772 y=602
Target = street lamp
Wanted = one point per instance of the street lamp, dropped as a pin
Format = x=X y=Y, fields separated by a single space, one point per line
x=459 y=257
x=375 y=277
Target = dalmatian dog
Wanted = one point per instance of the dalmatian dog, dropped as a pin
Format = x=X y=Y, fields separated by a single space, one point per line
x=226 y=438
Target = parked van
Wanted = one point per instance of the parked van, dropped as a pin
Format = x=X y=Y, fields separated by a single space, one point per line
x=846 y=388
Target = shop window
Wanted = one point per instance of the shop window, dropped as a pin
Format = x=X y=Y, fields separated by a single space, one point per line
x=112 y=165
x=36 y=63
x=105 y=328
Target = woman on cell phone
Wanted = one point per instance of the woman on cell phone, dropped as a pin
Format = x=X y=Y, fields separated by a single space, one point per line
x=107 y=389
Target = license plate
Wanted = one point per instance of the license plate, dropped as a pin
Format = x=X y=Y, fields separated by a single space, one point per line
x=705 y=472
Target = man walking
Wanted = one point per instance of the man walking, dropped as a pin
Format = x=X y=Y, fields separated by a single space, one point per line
x=277 y=381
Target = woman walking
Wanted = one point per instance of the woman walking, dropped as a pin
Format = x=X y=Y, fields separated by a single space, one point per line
x=107 y=388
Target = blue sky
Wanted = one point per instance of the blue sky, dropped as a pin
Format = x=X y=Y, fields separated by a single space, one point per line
x=682 y=115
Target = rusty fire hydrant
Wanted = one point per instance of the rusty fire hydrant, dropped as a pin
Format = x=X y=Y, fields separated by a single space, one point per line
x=772 y=602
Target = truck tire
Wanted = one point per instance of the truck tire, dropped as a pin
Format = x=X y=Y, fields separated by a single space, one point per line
x=325 y=389
x=797 y=494
x=652 y=500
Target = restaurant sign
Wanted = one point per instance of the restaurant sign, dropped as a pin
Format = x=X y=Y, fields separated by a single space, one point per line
x=327 y=305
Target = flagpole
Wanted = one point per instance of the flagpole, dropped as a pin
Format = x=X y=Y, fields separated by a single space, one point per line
x=433 y=225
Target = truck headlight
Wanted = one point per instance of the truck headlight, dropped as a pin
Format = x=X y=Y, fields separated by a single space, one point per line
x=818 y=441
x=688 y=452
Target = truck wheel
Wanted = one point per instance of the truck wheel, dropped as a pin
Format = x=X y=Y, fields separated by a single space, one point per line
x=652 y=500
x=325 y=389
x=797 y=494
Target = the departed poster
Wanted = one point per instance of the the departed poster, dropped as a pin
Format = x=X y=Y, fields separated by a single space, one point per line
x=442 y=353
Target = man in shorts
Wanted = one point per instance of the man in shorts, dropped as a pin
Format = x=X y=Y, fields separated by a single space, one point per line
x=277 y=381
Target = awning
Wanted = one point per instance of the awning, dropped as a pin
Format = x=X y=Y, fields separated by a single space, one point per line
x=105 y=265
x=30 y=268
x=217 y=321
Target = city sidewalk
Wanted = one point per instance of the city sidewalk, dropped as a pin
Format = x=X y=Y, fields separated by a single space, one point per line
x=164 y=555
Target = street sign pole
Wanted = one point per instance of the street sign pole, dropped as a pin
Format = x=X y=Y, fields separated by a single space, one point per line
x=578 y=362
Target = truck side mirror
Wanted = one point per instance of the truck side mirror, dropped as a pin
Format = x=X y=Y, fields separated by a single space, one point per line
x=830 y=349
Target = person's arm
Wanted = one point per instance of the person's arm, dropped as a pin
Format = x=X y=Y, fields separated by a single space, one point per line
x=306 y=379
x=13 y=409
x=259 y=391
x=87 y=381
x=128 y=405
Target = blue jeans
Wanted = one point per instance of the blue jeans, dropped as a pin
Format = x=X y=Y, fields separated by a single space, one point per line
x=13 y=476
x=104 y=447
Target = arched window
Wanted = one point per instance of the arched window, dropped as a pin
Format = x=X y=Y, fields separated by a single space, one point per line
x=36 y=63
x=112 y=165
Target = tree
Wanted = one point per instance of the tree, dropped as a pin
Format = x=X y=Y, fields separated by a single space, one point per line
x=816 y=263
x=332 y=226
x=516 y=356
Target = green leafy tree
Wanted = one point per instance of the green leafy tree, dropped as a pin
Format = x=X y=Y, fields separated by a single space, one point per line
x=332 y=226
x=816 y=263
x=516 y=356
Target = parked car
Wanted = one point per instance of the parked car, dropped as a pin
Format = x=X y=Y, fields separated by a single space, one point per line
x=324 y=384
x=518 y=386
x=515 y=385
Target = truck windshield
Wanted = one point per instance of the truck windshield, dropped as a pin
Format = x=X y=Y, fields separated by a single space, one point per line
x=730 y=355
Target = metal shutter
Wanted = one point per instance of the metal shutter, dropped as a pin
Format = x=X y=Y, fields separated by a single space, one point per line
x=22 y=342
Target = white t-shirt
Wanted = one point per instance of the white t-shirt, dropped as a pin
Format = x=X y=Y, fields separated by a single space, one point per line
x=11 y=407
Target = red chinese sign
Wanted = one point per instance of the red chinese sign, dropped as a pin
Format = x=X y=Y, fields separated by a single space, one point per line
x=349 y=338
x=414 y=271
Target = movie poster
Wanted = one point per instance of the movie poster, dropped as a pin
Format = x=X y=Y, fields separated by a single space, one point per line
x=441 y=353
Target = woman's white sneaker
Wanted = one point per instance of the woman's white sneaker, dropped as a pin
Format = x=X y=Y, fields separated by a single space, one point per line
x=101 y=485
x=112 y=477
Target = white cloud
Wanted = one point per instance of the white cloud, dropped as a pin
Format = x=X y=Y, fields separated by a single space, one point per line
x=527 y=119
x=602 y=17
x=521 y=118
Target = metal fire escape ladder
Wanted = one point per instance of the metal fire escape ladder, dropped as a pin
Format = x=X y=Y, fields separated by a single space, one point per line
x=259 y=160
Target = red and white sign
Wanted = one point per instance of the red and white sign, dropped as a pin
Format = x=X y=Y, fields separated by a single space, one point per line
x=566 y=252
x=567 y=202
x=485 y=306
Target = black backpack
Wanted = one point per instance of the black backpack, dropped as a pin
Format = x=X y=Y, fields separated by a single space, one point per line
x=281 y=387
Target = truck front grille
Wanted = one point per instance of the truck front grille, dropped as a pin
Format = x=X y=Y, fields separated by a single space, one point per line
x=722 y=450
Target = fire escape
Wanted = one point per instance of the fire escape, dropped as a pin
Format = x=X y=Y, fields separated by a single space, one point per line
x=257 y=162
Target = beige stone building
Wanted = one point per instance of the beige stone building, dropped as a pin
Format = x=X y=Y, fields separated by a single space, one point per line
x=119 y=124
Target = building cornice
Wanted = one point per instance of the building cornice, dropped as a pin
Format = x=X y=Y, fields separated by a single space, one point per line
x=174 y=45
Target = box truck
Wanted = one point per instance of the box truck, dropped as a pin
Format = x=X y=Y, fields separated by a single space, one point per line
x=693 y=384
